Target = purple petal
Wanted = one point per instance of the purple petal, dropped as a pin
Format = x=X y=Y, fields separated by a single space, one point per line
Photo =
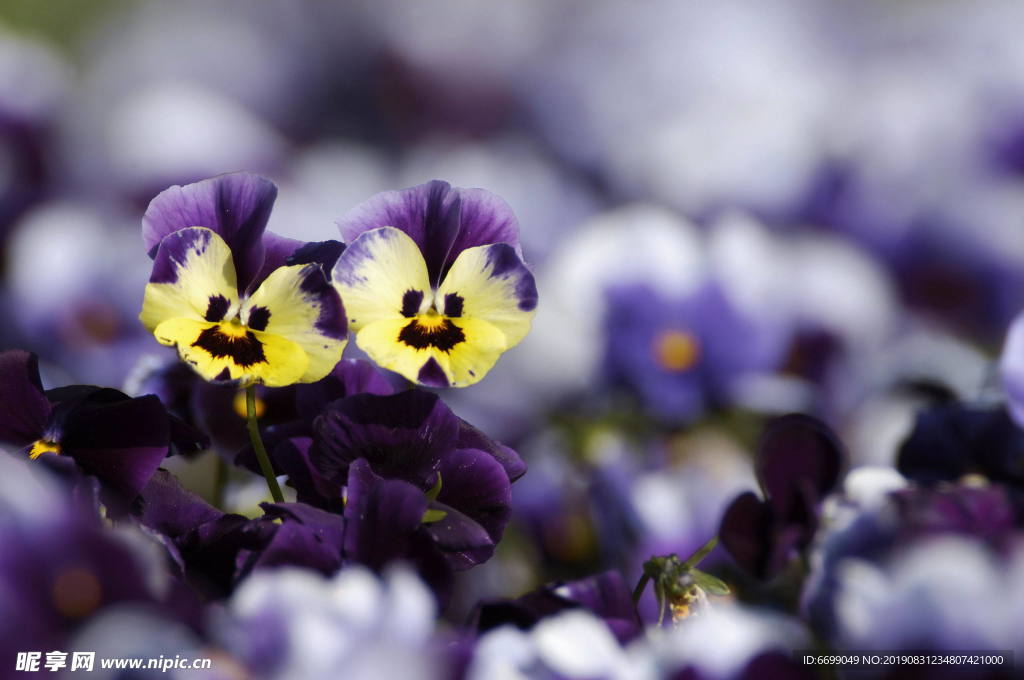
x=236 y=206
x=476 y=484
x=24 y=409
x=277 y=251
x=122 y=443
x=349 y=377
x=381 y=516
x=486 y=219
x=171 y=509
x=472 y=438
x=307 y=537
x=428 y=213
x=610 y=597
x=465 y=542
x=1011 y=369
x=402 y=435
x=325 y=253
x=750 y=533
x=799 y=458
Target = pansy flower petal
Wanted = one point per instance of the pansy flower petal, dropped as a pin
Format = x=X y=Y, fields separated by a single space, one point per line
x=382 y=275
x=278 y=252
x=486 y=219
x=298 y=303
x=24 y=409
x=236 y=206
x=457 y=355
x=490 y=283
x=193 y=278
x=218 y=353
x=429 y=214
x=122 y=443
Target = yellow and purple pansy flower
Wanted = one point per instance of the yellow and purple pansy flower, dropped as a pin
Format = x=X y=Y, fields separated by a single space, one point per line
x=434 y=282
x=222 y=292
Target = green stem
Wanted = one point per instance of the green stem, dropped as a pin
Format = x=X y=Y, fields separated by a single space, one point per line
x=257 y=444
x=639 y=590
x=220 y=480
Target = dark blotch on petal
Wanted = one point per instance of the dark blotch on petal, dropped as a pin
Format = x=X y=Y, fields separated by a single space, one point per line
x=217 y=308
x=259 y=317
x=453 y=305
x=444 y=337
x=244 y=351
x=411 y=301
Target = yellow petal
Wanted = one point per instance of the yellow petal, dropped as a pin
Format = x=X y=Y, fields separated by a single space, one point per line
x=490 y=283
x=299 y=304
x=193 y=277
x=381 y=274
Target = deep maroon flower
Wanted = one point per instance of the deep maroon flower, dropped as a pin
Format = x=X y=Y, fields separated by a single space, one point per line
x=108 y=434
x=798 y=463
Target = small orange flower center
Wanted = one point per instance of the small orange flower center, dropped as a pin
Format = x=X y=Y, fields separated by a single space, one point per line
x=41 y=446
x=76 y=592
x=676 y=351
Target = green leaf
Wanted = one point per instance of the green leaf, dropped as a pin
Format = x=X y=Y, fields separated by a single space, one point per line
x=433 y=516
x=709 y=584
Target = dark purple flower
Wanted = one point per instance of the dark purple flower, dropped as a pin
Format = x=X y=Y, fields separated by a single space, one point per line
x=951 y=440
x=120 y=440
x=413 y=436
x=212 y=550
x=798 y=463
x=384 y=523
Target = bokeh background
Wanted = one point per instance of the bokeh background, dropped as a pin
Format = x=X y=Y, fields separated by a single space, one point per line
x=734 y=209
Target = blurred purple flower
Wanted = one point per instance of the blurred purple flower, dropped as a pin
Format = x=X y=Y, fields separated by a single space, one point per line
x=685 y=355
x=798 y=463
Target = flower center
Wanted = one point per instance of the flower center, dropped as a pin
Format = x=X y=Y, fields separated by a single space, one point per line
x=676 y=351
x=232 y=340
x=41 y=446
x=431 y=330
